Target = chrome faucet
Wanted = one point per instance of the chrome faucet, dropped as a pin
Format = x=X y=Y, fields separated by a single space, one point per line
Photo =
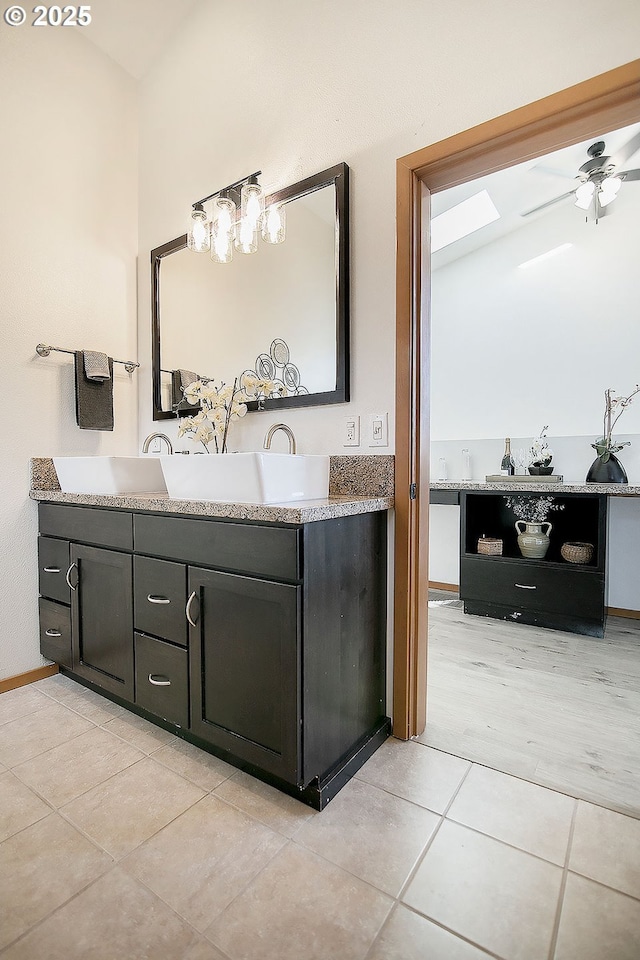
x=157 y=436
x=285 y=429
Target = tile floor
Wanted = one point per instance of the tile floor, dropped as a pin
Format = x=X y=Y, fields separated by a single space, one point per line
x=119 y=841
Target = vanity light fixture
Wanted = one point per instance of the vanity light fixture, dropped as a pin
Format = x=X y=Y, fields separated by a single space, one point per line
x=199 y=236
x=237 y=216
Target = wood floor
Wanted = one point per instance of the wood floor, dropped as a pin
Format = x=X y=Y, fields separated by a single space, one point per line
x=555 y=708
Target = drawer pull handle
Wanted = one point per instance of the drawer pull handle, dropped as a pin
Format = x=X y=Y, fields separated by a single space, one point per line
x=188 y=609
x=52 y=569
x=159 y=681
x=52 y=633
x=152 y=599
x=67 y=577
x=524 y=586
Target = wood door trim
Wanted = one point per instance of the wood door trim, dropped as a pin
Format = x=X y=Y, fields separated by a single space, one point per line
x=603 y=103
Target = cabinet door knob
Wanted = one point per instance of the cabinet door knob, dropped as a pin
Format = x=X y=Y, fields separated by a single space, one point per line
x=188 y=609
x=68 y=576
x=524 y=586
x=52 y=569
x=158 y=680
x=153 y=599
x=52 y=633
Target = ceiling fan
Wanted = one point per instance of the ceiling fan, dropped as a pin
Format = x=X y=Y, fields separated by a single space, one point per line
x=599 y=178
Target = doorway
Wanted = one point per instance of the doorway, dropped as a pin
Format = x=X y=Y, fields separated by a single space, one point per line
x=606 y=102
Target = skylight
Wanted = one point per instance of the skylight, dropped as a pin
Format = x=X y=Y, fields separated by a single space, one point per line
x=465 y=218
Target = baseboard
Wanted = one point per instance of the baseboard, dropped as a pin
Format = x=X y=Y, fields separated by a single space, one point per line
x=21 y=679
x=436 y=585
x=621 y=612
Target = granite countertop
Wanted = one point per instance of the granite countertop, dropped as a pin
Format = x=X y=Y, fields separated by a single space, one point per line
x=304 y=511
x=539 y=486
x=357 y=484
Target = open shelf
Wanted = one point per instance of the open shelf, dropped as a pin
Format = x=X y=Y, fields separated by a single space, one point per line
x=581 y=519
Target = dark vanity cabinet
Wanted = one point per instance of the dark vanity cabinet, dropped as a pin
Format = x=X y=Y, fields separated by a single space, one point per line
x=548 y=592
x=261 y=642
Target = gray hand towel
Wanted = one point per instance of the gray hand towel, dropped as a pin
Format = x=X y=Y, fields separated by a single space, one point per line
x=179 y=380
x=96 y=366
x=94 y=398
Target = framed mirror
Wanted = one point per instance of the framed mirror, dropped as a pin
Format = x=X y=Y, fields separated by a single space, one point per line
x=283 y=312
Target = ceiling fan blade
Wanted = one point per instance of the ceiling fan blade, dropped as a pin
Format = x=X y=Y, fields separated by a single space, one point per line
x=625 y=152
x=549 y=203
x=629 y=175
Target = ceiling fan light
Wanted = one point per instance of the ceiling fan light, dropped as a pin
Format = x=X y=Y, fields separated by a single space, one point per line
x=609 y=190
x=584 y=195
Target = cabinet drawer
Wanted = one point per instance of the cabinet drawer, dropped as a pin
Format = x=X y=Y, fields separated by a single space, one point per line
x=240 y=547
x=55 y=632
x=102 y=528
x=159 y=598
x=162 y=684
x=531 y=586
x=53 y=563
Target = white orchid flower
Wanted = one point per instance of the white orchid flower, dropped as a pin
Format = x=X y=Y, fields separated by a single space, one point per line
x=249 y=382
x=204 y=433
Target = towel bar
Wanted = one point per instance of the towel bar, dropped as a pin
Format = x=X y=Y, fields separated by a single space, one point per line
x=43 y=350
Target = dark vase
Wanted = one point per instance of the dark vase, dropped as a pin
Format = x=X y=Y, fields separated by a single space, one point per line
x=540 y=471
x=610 y=472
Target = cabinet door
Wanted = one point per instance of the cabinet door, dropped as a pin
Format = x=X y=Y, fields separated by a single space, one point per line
x=245 y=666
x=102 y=618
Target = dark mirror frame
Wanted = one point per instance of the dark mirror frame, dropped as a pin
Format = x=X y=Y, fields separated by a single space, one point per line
x=337 y=176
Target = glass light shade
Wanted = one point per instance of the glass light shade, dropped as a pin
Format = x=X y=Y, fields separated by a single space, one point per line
x=274 y=224
x=224 y=214
x=252 y=203
x=584 y=195
x=608 y=190
x=199 y=236
x=246 y=236
x=222 y=246
x=223 y=229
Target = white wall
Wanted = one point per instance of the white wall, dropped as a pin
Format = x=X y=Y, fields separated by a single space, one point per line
x=292 y=88
x=515 y=348
x=68 y=196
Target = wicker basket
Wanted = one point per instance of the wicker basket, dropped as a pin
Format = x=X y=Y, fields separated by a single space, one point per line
x=490 y=547
x=577 y=552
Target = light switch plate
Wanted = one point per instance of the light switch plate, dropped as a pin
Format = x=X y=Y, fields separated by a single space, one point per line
x=379 y=430
x=351 y=432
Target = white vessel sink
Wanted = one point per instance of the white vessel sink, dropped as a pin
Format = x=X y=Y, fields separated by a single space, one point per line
x=247 y=477
x=110 y=475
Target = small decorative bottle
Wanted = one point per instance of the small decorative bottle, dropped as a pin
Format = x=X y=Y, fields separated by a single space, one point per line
x=442 y=469
x=506 y=467
x=466 y=465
